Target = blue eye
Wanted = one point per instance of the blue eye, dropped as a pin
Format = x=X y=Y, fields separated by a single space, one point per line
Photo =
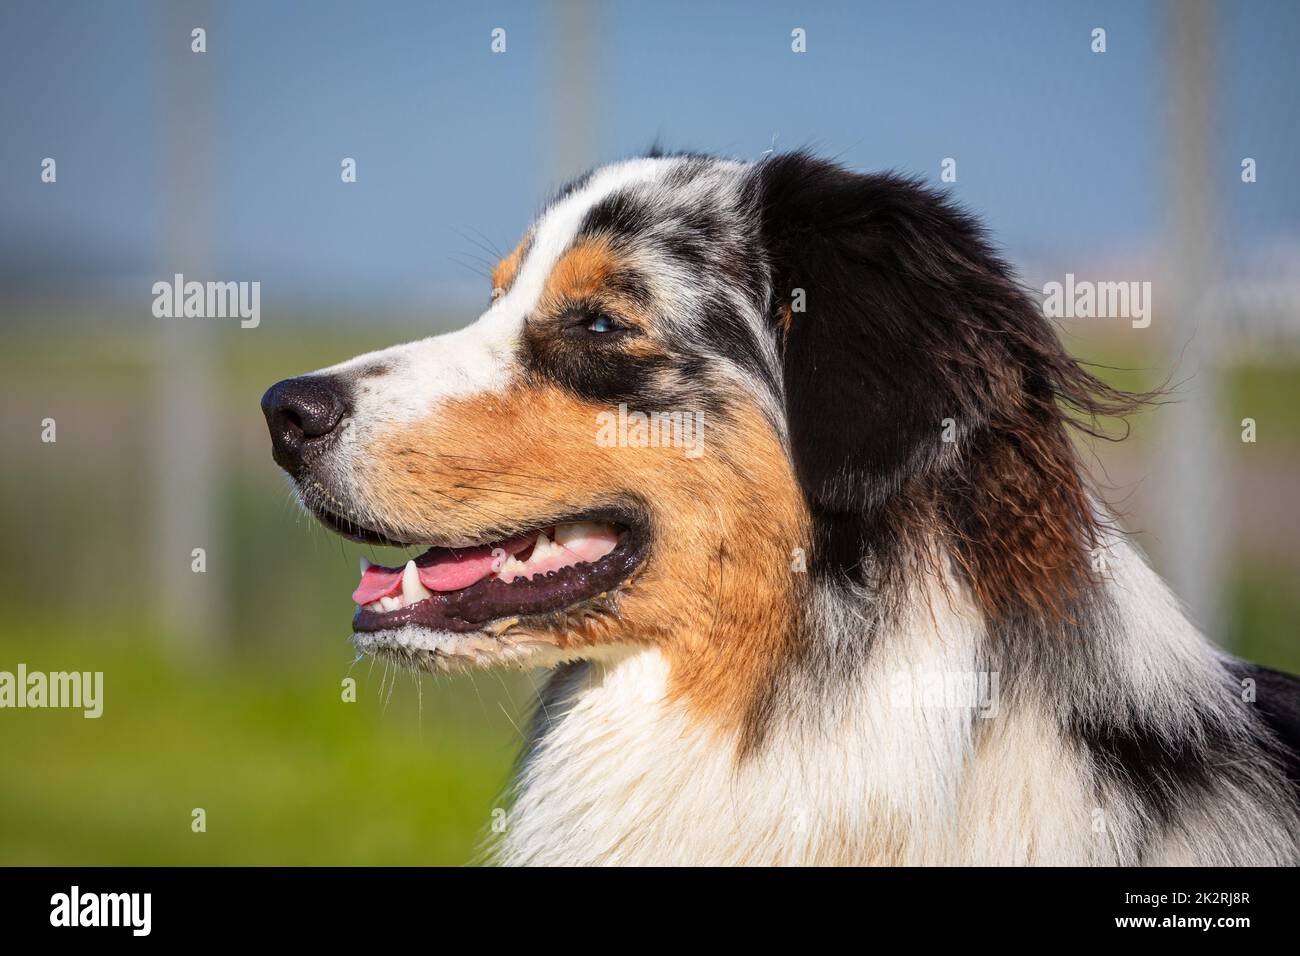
x=602 y=324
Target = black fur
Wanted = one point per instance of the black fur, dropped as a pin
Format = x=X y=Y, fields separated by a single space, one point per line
x=591 y=366
x=913 y=319
x=1277 y=697
x=894 y=277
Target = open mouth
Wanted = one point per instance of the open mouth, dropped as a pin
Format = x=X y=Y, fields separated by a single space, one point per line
x=541 y=571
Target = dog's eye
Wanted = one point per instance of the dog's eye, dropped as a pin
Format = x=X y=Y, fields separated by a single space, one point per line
x=594 y=324
x=590 y=325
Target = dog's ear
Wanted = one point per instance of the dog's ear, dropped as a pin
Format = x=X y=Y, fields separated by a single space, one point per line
x=905 y=340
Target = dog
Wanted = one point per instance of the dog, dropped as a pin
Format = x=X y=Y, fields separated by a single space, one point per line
x=870 y=613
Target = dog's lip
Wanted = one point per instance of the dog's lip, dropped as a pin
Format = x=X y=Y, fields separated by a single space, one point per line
x=354 y=531
x=487 y=603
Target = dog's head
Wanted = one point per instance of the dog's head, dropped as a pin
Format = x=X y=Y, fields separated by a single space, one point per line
x=700 y=388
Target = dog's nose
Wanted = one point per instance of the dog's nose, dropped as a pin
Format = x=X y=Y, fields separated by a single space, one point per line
x=301 y=413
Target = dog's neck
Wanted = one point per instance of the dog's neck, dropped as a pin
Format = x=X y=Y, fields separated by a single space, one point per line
x=864 y=764
x=625 y=769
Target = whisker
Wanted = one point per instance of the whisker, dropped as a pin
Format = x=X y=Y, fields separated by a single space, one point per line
x=480 y=244
x=476 y=269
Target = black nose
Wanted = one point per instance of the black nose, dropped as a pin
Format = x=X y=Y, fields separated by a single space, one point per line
x=301 y=413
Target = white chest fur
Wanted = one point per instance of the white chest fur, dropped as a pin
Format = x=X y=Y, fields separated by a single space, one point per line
x=622 y=776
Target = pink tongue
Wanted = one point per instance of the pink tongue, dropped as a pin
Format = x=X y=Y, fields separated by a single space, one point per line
x=447 y=571
x=377 y=582
x=452 y=570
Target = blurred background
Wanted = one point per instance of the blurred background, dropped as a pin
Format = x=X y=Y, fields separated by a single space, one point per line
x=223 y=688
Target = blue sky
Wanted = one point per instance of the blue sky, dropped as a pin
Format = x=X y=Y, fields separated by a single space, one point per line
x=1064 y=152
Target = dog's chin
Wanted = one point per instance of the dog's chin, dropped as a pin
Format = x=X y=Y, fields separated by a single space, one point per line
x=453 y=652
x=534 y=594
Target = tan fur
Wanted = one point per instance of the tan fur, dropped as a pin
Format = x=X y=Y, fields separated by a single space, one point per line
x=786 y=316
x=723 y=615
x=581 y=273
x=503 y=276
x=582 y=278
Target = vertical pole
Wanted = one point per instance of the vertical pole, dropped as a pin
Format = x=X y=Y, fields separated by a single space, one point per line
x=1193 y=523
x=185 y=430
x=572 y=60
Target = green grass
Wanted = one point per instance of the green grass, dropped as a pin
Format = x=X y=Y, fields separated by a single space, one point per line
x=287 y=772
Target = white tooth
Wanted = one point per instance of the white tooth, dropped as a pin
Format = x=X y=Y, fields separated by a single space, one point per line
x=542 y=548
x=512 y=569
x=365 y=564
x=390 y=603
x=412 y=588
x=374 y=606
x=577 y=529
